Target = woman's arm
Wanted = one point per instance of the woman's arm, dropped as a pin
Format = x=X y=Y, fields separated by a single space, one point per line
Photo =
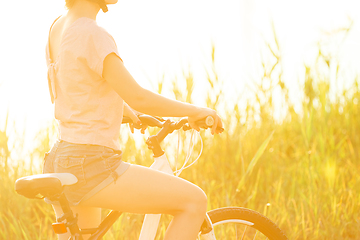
x=139 y=98
x=148 y=102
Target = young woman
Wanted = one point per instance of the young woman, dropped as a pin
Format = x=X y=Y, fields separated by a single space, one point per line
x=89 y=84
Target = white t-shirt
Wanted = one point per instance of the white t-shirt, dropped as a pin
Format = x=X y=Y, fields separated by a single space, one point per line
x=87 y=108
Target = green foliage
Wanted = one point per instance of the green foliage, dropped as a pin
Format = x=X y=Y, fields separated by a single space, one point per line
x=4 y=148
x=253 y=162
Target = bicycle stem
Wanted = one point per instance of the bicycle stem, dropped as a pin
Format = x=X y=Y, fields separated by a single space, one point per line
x=154 y=141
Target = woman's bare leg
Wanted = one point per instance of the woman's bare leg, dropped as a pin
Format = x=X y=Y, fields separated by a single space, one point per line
x=143 y=190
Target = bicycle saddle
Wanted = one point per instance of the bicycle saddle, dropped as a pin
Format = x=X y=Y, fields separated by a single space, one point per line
x=46 y=185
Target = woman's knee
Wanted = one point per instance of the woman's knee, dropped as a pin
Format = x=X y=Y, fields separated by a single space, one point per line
x=197 y=202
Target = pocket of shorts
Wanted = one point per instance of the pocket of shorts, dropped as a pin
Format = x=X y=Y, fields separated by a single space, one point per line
x=73 y=165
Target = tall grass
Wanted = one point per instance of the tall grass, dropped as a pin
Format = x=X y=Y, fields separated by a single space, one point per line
x=300 y=170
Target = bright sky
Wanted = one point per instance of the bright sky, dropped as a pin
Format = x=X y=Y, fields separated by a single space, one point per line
x=165 y=37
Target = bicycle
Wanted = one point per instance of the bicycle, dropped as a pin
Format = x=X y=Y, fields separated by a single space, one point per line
x=221 y=223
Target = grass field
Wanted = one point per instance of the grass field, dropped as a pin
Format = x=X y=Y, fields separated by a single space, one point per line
x=308 y=172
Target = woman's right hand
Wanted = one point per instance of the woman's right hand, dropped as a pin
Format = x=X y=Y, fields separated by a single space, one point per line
x=203 y=113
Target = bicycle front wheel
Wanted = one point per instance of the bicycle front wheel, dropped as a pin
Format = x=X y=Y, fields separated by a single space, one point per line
x=242 y=223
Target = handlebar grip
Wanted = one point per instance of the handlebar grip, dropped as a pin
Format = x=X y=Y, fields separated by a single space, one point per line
x=208 y=122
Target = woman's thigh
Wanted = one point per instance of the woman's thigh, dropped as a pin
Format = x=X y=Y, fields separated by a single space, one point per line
x=144 y=190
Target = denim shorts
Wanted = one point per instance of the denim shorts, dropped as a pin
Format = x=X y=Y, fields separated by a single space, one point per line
x=94 y=166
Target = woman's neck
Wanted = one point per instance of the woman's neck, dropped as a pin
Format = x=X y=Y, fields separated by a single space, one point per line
x=84 y=8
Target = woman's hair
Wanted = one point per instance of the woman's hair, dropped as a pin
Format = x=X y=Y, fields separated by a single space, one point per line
x=70 y=3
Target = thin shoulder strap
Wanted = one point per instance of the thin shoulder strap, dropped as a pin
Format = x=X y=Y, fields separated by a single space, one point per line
x=49 y=36
x=50 y=74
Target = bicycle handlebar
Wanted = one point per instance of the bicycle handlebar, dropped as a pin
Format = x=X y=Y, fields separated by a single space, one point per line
x=167 y=127
x=182 y=123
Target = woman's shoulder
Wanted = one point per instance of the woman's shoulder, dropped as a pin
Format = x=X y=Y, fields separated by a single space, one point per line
x=97 y=34
x=88 y=26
